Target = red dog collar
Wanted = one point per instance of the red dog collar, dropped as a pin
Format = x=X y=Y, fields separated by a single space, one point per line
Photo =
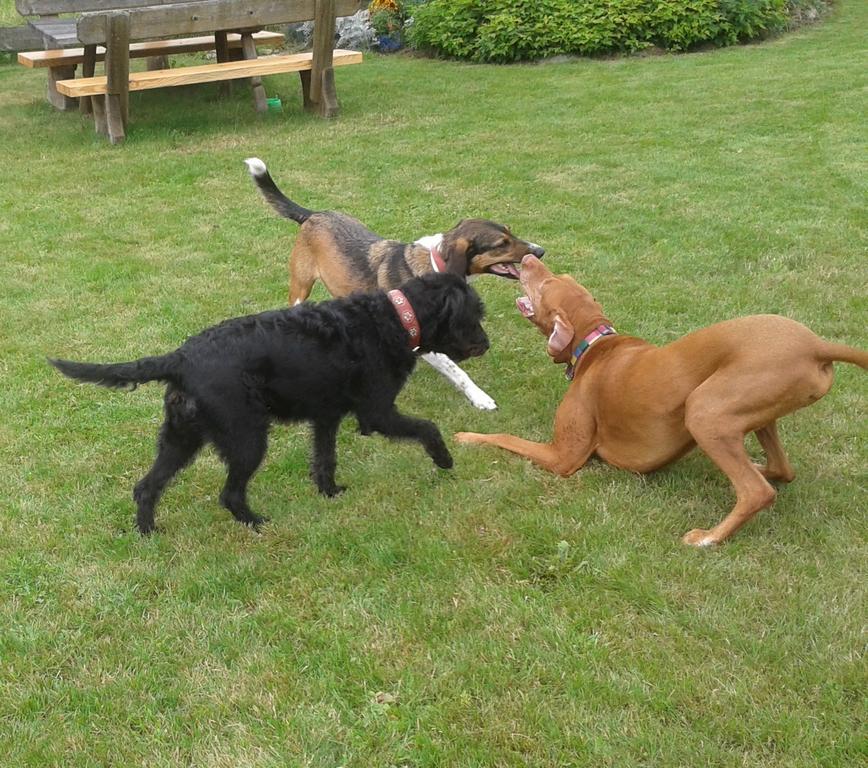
x=595 y=335
x=407 y=317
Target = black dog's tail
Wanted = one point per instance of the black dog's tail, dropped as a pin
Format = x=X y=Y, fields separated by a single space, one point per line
x=280 y=202
x=164 y=368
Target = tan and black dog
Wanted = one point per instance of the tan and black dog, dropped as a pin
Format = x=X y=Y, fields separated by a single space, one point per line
x=348 y=257
x=640 y=407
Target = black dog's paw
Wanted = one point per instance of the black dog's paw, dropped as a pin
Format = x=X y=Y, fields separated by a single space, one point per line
x=256 y=522
x=332 y=490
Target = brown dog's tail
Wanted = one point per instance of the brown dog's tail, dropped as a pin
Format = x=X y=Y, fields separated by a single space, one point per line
x=280 y=202
x=844 y=354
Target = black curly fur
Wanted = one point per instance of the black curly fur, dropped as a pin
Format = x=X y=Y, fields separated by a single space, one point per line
x=313 y=362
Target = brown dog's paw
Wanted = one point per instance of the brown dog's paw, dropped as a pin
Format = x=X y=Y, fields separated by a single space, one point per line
x=775 y=476
x=699 y=537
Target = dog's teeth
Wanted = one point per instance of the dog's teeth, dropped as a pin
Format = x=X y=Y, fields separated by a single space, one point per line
x=524 y=306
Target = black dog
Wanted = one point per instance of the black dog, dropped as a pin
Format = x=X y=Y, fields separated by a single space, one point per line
x=313 y=362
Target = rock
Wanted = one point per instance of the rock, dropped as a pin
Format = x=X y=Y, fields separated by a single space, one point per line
x=299 y=35
x=354 y=32
x=351 y=32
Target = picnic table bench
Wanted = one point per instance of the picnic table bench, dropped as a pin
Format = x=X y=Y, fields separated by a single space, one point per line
x=105 y=30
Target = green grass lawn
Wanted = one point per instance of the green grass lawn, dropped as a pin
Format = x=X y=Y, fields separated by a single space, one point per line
x=9 y=17
x=489 y=616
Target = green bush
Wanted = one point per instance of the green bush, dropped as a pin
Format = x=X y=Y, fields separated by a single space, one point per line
x=515 y=30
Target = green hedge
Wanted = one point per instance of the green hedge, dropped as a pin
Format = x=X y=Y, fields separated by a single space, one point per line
x=514 y=30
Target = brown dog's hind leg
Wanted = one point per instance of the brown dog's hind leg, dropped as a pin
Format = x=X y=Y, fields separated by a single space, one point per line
x=717 y=433
x=777 y=466
x=302 y=273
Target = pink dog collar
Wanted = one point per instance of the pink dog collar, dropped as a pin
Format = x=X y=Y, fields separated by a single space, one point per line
x=595 y=335
x=437 y=262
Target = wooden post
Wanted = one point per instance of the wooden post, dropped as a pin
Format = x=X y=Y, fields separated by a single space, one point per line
x=304 y=74
x=100 y=125
x=249 y=48
x=88 y=67
x=328 y=105
x=55 y=97
x=323 y=46
x=221 y=46
x=117 y=67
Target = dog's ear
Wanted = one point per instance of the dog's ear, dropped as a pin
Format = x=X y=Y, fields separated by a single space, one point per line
x=456 y=254
x=561 y=335
x=452 y=296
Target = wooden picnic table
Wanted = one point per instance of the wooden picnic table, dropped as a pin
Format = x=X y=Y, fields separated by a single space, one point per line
x=117 y=25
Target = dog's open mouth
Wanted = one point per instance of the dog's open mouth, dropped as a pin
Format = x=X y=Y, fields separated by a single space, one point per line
x=524 y=306
x=509 y=271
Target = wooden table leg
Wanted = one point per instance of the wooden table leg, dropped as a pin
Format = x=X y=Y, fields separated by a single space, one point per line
x=249 y=48
x=221 y=46
x=88 y=67
x=328 y=103
x=157 y=62
x=321 y=61
x=117 y=67
x=100 y=125
x=304 y=74
x=55 y=97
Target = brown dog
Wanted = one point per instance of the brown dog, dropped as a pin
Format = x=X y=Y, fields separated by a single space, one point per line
x=640 y=407
x=348 y=257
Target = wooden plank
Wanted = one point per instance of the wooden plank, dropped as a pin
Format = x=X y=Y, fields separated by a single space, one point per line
x=48 y=7
x=73 y=56
x=207 y=16
x=58 y=33
x=20 y=38
x=206 y=73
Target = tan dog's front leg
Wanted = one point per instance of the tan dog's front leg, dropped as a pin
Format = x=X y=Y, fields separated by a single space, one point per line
x=571 y=447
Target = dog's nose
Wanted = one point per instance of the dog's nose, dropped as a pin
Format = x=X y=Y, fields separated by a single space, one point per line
x=529 y=260
x=536 y=250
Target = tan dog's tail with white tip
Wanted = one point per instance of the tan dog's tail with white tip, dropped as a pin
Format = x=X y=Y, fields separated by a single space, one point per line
x=275 y=198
